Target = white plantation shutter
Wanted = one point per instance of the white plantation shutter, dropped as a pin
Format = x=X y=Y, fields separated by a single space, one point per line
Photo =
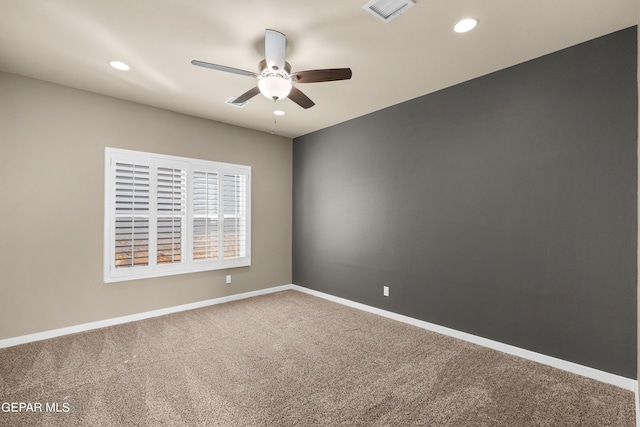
x=205 y=215
x=235 y=221
x=171 y=215
x=131 y=238
x=171 y=204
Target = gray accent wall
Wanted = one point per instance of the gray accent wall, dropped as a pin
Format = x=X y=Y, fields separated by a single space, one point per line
x=505 y=206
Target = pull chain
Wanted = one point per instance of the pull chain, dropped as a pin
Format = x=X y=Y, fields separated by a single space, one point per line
x=274 y=116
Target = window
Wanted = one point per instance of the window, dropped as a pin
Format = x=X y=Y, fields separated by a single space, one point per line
x=170 y=215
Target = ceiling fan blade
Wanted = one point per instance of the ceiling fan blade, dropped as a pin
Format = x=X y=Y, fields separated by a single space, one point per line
x=300 y=98
x=275 y=45
x=223 y=68
x=246 y=96
x=327 y=75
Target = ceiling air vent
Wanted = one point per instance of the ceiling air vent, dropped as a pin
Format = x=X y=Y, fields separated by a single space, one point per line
x=233 y=98
x=386 y=10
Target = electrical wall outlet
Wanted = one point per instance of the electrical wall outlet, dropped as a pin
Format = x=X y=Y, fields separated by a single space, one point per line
x=228 y=279
x=385 y=291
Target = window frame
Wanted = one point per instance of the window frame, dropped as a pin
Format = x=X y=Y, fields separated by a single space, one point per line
x=187 y=263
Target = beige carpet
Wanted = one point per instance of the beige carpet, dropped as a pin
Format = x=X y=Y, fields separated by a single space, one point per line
x=290 y=359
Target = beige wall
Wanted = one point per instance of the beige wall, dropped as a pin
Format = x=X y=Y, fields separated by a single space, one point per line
x=52 y=141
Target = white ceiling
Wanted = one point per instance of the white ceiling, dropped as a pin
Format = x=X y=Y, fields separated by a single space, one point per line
x=71 y=42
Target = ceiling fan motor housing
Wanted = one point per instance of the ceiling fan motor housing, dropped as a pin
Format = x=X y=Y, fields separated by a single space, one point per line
x=266 y=71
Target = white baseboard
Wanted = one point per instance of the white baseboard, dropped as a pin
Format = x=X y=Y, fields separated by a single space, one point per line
x=637 y=406
x=9 y=342
x=585 y=371
x=616 y=380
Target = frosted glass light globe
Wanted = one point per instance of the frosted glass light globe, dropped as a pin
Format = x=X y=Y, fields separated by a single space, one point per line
x=274 y=87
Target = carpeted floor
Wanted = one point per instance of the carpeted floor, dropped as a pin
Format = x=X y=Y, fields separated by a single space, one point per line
x=290 y=359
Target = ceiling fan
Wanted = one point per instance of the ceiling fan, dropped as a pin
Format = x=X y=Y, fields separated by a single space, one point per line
x=275 y=79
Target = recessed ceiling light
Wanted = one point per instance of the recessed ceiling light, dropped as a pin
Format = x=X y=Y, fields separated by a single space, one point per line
x=119 y=65
x=279 y=113
x=465 y=25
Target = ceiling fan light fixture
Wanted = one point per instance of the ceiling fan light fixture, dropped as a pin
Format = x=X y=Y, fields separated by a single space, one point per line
x=275 y=78
x=274 y=87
